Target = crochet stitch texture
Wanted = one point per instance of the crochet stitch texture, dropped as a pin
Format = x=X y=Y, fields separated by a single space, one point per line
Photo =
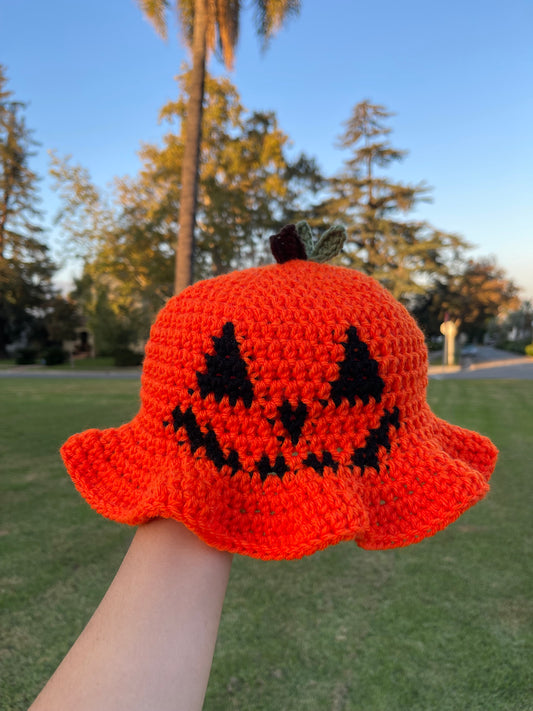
x=283 y=409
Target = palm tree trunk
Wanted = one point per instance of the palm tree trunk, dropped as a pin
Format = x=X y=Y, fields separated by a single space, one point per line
x=191 y=155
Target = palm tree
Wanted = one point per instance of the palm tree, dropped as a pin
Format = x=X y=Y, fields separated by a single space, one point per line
x=206 y=25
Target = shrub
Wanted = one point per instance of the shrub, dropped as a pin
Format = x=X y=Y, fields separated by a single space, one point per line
x=529 y=349
x=55 y=355
x=26 y=356
x=126 y=358
x=513 y=346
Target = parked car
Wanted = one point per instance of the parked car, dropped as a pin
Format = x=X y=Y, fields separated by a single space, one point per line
x=470 y=350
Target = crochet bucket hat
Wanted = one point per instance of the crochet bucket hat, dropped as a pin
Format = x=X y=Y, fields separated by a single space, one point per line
x=283 y=409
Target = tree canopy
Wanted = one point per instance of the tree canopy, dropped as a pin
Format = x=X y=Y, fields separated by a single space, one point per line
x=27 y=295
x=248 y=187
x=223 y=21
x=205 y=24
x=476 y=294
x=405 y=255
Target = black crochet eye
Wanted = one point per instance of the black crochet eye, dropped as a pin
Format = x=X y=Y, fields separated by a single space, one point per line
x=226 y=372
x=358 y=373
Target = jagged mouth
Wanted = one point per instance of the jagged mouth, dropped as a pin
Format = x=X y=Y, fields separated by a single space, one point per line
x=362 y=457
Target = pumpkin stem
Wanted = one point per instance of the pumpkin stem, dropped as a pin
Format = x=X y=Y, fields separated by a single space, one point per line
x=296 y=242
x=287 y=245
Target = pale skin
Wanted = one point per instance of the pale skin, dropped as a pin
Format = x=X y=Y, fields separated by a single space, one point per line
x=150 y=643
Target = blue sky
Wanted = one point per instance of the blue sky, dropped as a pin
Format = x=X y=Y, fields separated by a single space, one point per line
x=458 y=75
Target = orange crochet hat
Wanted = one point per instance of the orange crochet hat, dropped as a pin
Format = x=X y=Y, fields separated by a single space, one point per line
x=283 y=409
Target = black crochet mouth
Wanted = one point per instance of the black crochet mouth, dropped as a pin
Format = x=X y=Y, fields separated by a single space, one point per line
x=226 y=375
x=362 y=457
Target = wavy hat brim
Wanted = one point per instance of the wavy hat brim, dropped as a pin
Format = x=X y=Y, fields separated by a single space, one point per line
x=423 y=485
x=234 y=514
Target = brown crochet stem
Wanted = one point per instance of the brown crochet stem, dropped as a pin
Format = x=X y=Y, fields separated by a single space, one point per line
x=287 y=245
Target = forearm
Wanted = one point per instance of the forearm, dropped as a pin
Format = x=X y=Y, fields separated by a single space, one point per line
x=150 y=643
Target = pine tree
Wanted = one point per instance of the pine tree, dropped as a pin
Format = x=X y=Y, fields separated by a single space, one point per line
x=400 y=253
x=25 y=267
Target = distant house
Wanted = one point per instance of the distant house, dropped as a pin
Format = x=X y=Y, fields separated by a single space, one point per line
x=83 y=344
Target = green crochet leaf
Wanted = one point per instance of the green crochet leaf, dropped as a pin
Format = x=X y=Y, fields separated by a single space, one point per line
x=329 y=244
x=305 y=234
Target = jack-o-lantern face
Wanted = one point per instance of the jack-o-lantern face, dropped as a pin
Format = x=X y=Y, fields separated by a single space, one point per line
x=298 y=425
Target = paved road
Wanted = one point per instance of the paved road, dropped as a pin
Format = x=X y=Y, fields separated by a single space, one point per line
x=489 y=363
x=23 y=371
x=518 y=371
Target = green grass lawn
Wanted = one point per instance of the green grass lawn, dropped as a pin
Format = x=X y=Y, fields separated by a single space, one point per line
x=101 y=363
x=444 y=625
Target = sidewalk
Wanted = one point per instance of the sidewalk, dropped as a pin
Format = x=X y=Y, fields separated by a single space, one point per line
x=514 y=368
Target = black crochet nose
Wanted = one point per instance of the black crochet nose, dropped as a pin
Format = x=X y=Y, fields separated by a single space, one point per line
x=293 y=420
